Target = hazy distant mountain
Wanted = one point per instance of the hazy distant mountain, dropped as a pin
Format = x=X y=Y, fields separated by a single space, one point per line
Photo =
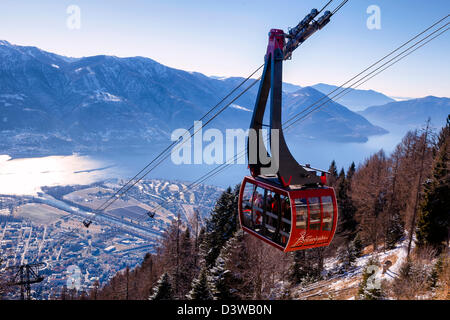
x=356 y=100
x=352 y=127
x=289 y=87
x=50 y=103
x=411 y=113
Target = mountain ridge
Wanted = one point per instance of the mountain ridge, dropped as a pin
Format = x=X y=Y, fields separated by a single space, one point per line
x=411 y=113
x=356 y=99
x=58 y=104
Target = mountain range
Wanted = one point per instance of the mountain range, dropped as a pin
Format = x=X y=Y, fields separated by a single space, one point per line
x=355 y=99
x=411 y=113
x=54 y=104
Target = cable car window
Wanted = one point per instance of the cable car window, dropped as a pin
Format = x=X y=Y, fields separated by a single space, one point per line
x=258 y=208
x=275 y=210
x=247 y=200
x=286 y=209
x=327 y=205
x=302 y=212
x=271 y=213
x=314 y=213
x=285 y=227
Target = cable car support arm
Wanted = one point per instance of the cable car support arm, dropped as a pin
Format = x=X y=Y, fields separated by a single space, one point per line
x=282 y=164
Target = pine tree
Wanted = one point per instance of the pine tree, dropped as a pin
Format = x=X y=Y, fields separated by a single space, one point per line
x=187 y=268
x=369 y=287
x=413 y=280
x=333 y=176
x=395 y=230
x=347 y=255
x=200 y=288
x=357 y=243
x=347 y=210
x=237 y=259
x=437 y=269
x=163 y=289
x=341 y=174
x=434 y=220
x=349 y=252
x=220 y=281
x=202 y=248
x=444 y=134
x=221 y=225
x=351 y=171
x=305 y=267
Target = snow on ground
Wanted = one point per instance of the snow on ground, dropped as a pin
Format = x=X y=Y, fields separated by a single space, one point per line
x=13 y=96
x=106 y=96
x=345 y=286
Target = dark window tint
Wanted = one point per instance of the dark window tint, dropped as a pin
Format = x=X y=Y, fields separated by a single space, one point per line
x=314 y=213
x=247 y=201
x=301 y=208
x=327 y=205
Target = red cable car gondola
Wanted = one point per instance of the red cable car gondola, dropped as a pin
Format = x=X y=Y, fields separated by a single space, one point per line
x=289 y=219
x=284 y=203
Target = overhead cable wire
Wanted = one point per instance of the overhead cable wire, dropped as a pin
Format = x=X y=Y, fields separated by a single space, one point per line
x=225 y=165
x=356 y=82
x=402 y=58
x=220 y=168
x=120 y=192
x=324 y=6
x=372 y=65
x=118 y=195
x=114 y=196
x=339 y=7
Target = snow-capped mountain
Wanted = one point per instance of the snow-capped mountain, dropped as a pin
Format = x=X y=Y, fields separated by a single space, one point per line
x=352 y=127
x=50 y=103
x=411 y=113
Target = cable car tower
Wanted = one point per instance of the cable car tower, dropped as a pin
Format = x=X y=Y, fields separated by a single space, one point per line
x=284 y=203
x=26 y=275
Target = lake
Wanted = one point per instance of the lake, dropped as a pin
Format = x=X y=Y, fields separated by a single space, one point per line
x=25 y=176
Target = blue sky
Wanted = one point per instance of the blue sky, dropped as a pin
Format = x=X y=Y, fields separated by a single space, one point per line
x=229 y=38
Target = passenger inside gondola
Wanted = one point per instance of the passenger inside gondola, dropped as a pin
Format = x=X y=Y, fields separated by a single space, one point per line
x=275 y=215
x=257 y=211
x=247 y=204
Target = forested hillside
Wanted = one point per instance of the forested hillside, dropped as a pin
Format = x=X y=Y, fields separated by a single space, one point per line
x=384 y=203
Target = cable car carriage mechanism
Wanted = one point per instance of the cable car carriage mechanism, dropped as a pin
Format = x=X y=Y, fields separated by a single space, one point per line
x=283 y=203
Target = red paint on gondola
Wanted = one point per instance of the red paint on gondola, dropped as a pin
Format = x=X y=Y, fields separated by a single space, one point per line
x=314 y=234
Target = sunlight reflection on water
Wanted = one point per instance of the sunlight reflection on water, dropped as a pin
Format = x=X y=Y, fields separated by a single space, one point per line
x=26 y=176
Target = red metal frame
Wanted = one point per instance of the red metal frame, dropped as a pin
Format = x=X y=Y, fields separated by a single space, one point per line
x=297 y=237
x=276 y=41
